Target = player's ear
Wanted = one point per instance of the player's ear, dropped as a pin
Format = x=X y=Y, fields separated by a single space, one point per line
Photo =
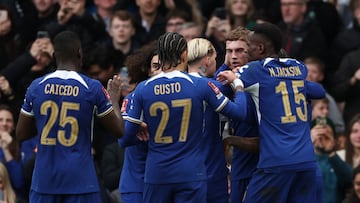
x=79 y=54
x=184 y=57
x=54 y=58
x=261 y=48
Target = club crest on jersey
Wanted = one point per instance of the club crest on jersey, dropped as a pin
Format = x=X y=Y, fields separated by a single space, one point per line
x=215 y=89
x=106 y=93
x=123 y=106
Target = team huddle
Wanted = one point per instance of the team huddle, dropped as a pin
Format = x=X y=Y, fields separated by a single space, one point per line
x=170 y=125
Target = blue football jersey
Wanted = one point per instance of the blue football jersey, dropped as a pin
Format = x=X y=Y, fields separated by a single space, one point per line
x=280 y=93
x=63 y=104
x=213 y=145
x=243 y=163
x=133 y=171
x=173 y=106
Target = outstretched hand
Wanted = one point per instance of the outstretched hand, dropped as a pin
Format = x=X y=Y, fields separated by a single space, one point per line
x=114 y=88
x=226 y=77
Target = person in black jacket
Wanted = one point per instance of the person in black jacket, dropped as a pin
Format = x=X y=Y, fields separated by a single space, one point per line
x=346 y=87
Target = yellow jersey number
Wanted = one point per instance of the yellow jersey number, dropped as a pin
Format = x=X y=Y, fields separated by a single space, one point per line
x=165 y=114
x=64 y=119
x=298 y=97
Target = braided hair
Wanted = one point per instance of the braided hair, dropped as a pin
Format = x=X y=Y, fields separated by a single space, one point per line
x=170 y=47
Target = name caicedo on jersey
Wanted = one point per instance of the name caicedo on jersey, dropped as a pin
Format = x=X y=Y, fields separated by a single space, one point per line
x=62 y=90
x=170 y=88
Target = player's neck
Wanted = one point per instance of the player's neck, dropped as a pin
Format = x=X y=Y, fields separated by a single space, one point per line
x=197 y=69
x=66 y=66
x=180 y=67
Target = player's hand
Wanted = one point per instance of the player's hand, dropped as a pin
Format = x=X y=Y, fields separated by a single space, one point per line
x=114 y=88
x=143 y=134
x=226 y=77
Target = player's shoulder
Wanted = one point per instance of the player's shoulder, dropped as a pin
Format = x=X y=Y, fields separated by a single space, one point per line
x=290 y=61
x=179 y=76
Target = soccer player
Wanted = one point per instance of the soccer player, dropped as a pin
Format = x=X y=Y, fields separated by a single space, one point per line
x=287 y=166
x=59 y=108
x=202 y=63
x=141 y=65
x=172 y=104
x=244 y=157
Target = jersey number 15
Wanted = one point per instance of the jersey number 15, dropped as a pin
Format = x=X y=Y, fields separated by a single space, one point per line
x=298 y=98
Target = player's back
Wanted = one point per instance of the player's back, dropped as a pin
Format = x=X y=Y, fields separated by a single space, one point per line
x=63 y=104
x=173 y=108
x=278 y=89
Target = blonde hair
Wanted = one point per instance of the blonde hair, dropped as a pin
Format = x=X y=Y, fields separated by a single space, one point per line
x=9 y=193
x=198 y=48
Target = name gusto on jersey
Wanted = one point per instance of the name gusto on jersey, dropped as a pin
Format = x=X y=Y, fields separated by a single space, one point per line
x=62 y=90
x=167 y=88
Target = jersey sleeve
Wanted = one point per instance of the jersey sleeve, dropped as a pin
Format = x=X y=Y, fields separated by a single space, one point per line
x=27 y=108
x=135 y=107
x=223 y=67
x=103 y=104
x=133 y=119
x=225 y=89
x=314 y=90
x=249 y=74
x=128 y=140
x=222 y=104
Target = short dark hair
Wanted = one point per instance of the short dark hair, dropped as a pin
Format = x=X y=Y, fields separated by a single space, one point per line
x=271 y=32
x=170 y=47
x=123 y=16
x=67 y=45
x=177 y=13
x=101 y=56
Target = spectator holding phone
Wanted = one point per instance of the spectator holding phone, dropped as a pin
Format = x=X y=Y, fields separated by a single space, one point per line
x=336 y=173
x=17 y=75
x=73 y=16
x=218 y=27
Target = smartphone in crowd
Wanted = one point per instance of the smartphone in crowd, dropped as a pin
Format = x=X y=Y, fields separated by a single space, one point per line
x=220 y=12
x=321 y=120
x=124 y=77
x=42 y=34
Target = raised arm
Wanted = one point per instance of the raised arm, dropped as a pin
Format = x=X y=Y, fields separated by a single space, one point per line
x=113 y=121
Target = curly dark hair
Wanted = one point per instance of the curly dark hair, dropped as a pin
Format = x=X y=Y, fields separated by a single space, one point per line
x=139 y=63
x=170 y=47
